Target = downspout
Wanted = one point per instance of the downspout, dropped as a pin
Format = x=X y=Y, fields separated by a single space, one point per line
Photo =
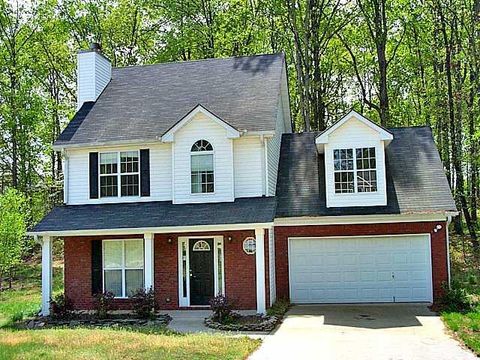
x=449 y=220
x=265 y=142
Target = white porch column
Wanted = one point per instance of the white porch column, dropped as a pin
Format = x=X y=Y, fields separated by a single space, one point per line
x=46 y=274
x=260 y=269
x=149 y=261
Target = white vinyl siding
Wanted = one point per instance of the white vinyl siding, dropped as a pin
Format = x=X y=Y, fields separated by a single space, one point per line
x=273 y=151
x=360 y=269
x=94 y=73
x=247 y=161
x=160 y=175
x=203 y=128
x=351 y=135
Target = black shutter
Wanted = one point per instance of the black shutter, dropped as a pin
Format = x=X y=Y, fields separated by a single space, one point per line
x=145 y=172
x=93 y=175
x=97 y=271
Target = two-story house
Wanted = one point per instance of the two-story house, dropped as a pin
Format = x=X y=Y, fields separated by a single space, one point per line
x=186 y=178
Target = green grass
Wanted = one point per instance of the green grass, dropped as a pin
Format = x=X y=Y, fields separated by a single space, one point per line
x=465 y=275
x=82 y=343
x=466 y=327
x=119 y=344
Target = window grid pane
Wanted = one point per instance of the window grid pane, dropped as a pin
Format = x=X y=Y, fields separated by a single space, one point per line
x=130 y=185
x=108 y=186
x=366 y=170
x=123 y=262
x=113 y=282
x=129 y=162
x=108 y=163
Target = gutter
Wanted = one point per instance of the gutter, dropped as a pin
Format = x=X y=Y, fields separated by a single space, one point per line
x=156 y=230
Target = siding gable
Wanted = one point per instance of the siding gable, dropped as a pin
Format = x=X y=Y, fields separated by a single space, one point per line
x=202 y=127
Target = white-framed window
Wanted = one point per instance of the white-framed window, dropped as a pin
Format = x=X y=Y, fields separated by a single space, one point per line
x=355 y=170
x=249 y=245
x=123 y=266
x=201 y=168
x=119 y=173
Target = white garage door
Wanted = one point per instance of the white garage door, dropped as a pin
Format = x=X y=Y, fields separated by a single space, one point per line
x=360 y=269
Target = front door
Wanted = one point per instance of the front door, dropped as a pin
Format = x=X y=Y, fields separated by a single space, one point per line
x=201 y=271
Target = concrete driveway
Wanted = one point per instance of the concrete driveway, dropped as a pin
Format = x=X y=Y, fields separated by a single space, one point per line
x=370 y=332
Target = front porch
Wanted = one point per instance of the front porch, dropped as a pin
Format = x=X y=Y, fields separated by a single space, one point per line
x=184 y=268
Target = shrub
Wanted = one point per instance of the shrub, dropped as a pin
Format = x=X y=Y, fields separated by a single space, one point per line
x=60 y=307
x=144 y=303
x=279 y=308
x=457 y=298
x=103 y=304
x=222 y=308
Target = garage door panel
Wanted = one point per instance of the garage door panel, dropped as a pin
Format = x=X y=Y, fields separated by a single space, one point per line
x=360 y=269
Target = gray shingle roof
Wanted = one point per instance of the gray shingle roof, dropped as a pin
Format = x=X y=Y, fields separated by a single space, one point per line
x=142 y=102
x=156 y=214
x=416 y=181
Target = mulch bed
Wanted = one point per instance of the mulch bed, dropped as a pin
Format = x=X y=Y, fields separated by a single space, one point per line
x=245 y=323
x=90 y=320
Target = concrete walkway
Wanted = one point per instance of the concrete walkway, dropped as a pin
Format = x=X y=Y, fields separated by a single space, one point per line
x=191 y=321
x=370 y=332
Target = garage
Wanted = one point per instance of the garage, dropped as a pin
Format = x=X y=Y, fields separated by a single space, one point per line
x=360 y=269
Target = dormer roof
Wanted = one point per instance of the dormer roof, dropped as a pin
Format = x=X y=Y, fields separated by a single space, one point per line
x=384 y=134
x=169 y=135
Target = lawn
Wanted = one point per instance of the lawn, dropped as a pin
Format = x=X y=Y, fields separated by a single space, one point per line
x=82 y=343
x=465 y=276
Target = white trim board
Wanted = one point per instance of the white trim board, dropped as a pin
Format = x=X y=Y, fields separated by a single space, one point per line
x=155 y=230
x=383 y=133
x=358 y=219
x=169 y=136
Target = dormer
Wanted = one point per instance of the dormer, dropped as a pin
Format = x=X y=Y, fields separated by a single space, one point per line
x=354 y=155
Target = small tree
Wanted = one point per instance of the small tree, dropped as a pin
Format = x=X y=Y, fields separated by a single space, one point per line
x=12 y=231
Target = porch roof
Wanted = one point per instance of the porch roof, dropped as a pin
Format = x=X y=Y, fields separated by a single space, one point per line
x=153 y=215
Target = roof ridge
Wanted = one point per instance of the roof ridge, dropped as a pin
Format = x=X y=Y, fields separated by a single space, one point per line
x=196 y=61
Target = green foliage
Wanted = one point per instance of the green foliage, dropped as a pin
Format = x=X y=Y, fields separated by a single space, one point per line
x=60 y=306
x=457 y=298
x=12 y=229
x=144 y=303
x=279 y=308
x=103 y=304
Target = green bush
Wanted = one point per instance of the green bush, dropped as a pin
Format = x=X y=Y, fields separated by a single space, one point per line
x=103 y=304
x=458 y=298
x=279 y=308
x=144 y=303
x=61 y=307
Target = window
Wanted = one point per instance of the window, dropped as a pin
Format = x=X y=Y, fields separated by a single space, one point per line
x=355 y=171
x=249 y=245
x=123 y=266
x=123 y=179
x=202 y=180
x=343 y=168
x=366 y=170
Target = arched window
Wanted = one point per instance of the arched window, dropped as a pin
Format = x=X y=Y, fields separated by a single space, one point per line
x=201 y=245
x=202 y=177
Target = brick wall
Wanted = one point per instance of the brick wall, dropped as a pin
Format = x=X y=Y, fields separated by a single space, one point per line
x=240 y=282
x=438 y=246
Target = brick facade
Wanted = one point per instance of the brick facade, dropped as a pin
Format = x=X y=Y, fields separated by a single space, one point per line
x=438 y=246
x=240 y=283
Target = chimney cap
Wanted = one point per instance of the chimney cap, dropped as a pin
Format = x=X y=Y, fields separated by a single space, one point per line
x=95 y=46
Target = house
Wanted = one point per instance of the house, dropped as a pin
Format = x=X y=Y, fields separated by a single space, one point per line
x=186 y=178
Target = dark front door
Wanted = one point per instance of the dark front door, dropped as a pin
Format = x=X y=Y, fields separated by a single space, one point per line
x=201 y=271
